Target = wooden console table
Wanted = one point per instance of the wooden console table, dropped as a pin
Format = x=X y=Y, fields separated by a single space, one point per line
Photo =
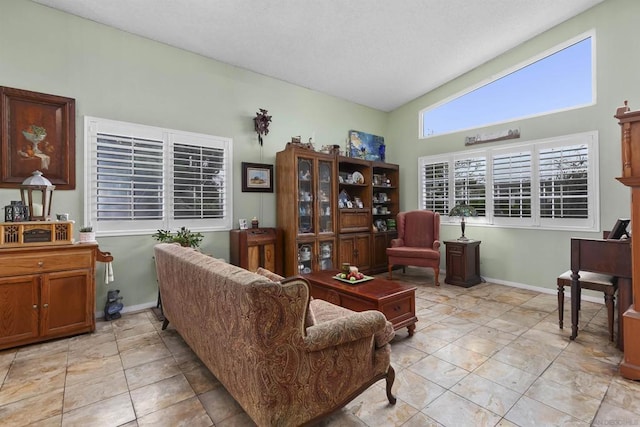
x=257 y=247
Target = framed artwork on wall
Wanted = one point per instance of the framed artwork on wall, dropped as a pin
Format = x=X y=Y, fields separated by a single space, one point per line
x=37 y=132
x=257 y=177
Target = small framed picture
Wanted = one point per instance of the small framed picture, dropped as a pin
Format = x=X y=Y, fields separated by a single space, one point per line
x=257 y=177
x=349 y=204
x=243 y=223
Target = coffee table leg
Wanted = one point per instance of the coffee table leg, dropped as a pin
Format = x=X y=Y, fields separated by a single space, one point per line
x=411 y=329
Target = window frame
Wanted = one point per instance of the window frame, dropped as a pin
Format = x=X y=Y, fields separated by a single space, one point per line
x=521 y=65
x=591 y=223
x=93 y=126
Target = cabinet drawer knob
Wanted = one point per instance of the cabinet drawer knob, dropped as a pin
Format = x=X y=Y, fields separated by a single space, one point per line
x=46 y=305
x=40 y=263
x=35 y=306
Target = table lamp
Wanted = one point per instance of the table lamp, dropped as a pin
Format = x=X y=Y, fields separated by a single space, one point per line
x=463 y=210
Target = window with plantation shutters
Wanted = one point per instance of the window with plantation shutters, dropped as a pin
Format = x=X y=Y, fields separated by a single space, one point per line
x=469 y=183
x=129 y=182
x=512 y=185
x=563 y=182
x=141 y=179
x=548 y=184
x=435 y=187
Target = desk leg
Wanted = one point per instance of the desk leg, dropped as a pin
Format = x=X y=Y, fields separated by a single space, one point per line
x=625 y=296
x=575 y=304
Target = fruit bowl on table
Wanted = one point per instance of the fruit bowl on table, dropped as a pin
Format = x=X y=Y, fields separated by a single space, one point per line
x=365 y=278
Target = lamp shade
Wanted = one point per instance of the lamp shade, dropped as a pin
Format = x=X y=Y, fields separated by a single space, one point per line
x=37 y=192
x=463 y=210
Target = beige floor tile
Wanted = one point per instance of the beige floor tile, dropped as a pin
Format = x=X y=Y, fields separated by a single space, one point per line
x=113 y=411
x=478 y=344
x=487 y=394
x=188 y=413
x=581 y=382
x=237 y=420
x=140 y=340
x=373 y=408
x=453 y=410
x=97 y=389
x=92 y=370
x=36 y=367
x=54 y=421
x=564 y=399
x=104 y=349
x=32 y=409
x=139 y=355
x=414 y=389
x=148 y=373
x=403 y=355
x=17 y=389
x=531 y=413
x=438 y=371
x=624 y=394
x=161 y=394
x=135 y=330
x=46 y=349
x=420 y=342
x=506 y=375
x=528 y=362
x=508 y=326
x=220 y=405
x=461 y=357
x=421 y=420
x=610 y=415
x=201 y=379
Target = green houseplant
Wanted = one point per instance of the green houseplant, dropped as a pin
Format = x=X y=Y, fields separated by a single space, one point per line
x=184 y=237
x=87 y=234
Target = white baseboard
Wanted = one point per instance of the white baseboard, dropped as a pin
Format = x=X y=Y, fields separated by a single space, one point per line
x=544 y=290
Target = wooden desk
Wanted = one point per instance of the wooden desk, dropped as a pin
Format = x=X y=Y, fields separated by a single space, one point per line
x=612 y=257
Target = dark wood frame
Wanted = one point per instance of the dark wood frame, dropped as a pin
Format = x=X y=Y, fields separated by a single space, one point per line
x=19 y=109
x=247 y=186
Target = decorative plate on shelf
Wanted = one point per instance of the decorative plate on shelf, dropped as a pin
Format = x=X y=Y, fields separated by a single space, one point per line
x=353 y=282
x=358 y=178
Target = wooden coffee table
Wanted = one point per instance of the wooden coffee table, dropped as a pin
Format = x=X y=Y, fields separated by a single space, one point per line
x=395 y=300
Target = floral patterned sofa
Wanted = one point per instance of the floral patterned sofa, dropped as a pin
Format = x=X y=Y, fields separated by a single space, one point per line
x=288 y=360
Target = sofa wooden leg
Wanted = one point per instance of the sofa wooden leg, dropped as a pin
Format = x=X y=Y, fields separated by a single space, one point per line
x=390 y=272
x=391 y=377
x=165 y=323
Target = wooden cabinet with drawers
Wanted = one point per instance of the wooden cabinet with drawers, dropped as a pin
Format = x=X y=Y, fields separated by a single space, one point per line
x=463 y=262
x=46 y=292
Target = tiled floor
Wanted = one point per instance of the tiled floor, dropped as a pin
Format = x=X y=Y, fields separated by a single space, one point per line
x=484 y=356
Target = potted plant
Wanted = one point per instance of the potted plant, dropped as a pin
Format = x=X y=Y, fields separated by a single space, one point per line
x=184 y=236
x=87 y=235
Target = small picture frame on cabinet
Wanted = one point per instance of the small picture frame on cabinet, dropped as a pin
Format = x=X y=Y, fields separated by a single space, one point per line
x=242 y=222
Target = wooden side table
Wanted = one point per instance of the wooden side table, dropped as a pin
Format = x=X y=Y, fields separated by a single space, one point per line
x=257 y=247
x=463 y=262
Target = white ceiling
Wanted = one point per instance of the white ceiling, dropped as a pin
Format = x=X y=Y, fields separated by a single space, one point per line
x=378 y=53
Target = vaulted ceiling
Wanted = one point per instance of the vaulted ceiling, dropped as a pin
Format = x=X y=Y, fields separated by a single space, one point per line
x=378 y=53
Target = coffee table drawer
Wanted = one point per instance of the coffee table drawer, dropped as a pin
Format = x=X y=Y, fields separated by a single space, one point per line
x=398 y=310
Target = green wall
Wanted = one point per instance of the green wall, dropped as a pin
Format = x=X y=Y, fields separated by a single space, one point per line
x=115 y=75
x=529 y=256
x=119 y=76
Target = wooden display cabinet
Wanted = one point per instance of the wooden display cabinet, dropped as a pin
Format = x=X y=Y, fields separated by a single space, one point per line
x=306 y=207
x=46 y=292
x=355 y=249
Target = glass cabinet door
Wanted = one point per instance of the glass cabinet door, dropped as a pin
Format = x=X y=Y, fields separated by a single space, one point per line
x=325 y=196
x=326 y=255
x=305 y=196
x=305 y=258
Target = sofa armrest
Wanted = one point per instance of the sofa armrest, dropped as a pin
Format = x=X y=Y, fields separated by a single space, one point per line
x=343 y=330
x=397 y=243
x=436 y=244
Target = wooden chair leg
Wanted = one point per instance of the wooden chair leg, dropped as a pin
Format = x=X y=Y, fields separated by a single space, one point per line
x=390 y=271
x=436 y=273
x=609 y=300
x=560 y=305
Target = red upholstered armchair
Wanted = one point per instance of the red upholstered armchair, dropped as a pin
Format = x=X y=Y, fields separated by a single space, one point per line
x=418 y=241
